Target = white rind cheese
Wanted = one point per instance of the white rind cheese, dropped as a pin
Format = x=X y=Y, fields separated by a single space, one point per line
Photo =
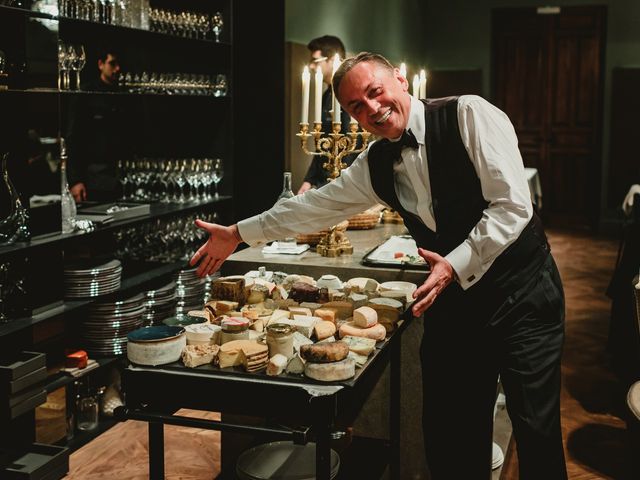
x=377 y=332
x=196 y=355
x=277 y=364
x=331 y=372
x=360 y=345
x=365 y=317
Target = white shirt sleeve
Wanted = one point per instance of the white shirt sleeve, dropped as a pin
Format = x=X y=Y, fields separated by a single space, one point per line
x=314 y=210
x=492 y=145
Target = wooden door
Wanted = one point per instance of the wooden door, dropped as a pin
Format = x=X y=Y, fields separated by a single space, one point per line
x=547 y=76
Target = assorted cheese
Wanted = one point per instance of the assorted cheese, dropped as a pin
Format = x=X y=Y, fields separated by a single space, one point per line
x=243 y=313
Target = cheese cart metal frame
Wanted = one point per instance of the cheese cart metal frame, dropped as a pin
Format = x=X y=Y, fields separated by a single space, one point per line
x=153 y=391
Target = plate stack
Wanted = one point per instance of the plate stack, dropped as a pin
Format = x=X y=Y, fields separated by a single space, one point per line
x=190 y=291
x=159 y=304
x=104 y=331
x=82 y=281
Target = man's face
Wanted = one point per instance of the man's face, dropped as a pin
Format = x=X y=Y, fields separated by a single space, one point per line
x=377 y=98
x=109 y=69
x=324 y=64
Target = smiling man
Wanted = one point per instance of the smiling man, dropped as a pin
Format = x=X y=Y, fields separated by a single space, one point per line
x=493 y=301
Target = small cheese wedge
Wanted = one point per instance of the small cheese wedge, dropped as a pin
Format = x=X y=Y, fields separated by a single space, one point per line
x=326 y=314
x=360 y=359
x=225 y=306
x=365 y=317
x=296 y=365
x=331 y=372
x=299 y=339
x=324 y=329
x=277 y=364
x=303 y=323
x=377 y=332
x=196 y=355
x=360 y=345
x=358 y=300
x=233 y=353
x=300 y=311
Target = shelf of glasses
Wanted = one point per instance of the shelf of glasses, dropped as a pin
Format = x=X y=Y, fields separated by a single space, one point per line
x=136 y=281
x=133 y=30
x=49 y=16
x=92 y=92
x=158 y=210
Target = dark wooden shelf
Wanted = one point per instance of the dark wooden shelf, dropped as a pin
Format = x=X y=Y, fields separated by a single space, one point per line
x=120 y=28
x=136 y=281
x=158 y=210
x=61 y=379
x=55 y=91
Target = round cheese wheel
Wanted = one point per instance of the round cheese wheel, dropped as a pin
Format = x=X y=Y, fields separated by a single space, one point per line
x=324 y=352
x=331 y=372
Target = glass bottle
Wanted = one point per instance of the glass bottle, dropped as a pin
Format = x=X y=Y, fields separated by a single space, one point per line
x=67 y=202
x=286 y=188
x=285 y=195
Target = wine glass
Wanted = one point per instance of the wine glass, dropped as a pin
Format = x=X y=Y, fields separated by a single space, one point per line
x=79 y=62
x=217 y=24
x=217 y=172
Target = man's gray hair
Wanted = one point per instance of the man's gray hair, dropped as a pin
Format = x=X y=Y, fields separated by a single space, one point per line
x=351 y=62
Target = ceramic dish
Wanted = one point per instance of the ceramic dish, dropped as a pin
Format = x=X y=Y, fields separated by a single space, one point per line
x=156 y=345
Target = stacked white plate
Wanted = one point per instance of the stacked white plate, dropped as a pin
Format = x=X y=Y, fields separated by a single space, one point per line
x=159 y=304
x=83 y=281
x=191 y=291
x=104 y=331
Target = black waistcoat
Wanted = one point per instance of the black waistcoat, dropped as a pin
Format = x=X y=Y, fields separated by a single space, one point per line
x=457 y=200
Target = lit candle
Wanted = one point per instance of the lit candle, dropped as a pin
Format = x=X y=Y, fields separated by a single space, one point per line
x=318 y=97
x=336 y=104
x=403 y=70
x=423 y=84
x=416 y=86
x=306 y=78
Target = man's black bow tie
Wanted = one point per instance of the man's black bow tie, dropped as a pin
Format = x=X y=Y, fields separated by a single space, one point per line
x=408 y=139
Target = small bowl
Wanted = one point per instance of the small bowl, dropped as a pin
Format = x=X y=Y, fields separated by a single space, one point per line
x=404 y=286
x=329 y=281
x=156 y=345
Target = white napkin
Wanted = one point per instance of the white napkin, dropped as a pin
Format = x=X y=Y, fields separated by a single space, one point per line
x=286 y=248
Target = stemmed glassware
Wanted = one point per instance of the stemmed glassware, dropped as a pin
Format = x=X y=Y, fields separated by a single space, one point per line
x=70 y=57
x=216 y=25
x=217 y=172
x=79 y=61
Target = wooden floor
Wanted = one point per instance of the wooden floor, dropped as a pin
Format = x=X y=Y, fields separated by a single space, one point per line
x=592 y=398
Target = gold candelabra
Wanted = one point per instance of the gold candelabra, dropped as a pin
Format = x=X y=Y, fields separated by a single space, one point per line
x=335 y=146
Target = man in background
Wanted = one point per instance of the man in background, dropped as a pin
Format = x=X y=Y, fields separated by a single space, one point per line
x=98 y=135
x=323 y=50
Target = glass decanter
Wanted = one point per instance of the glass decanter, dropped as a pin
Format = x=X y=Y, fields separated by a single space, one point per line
x=15 y=226
x=67 y=203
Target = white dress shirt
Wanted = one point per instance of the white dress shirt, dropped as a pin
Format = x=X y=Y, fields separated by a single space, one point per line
x=492 y=145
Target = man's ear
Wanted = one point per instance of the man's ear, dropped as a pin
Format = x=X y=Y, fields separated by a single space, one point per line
x=403 y=81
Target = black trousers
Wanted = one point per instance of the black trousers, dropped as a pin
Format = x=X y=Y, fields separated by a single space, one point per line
x=470 y=339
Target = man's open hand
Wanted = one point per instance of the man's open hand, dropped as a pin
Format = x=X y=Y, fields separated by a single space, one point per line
x=222 y=242
x=441 y=275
